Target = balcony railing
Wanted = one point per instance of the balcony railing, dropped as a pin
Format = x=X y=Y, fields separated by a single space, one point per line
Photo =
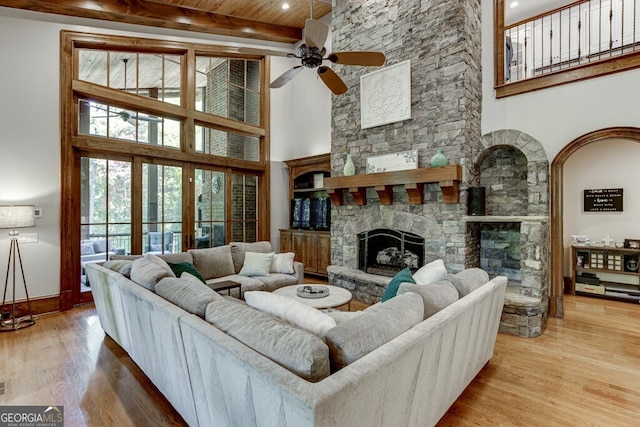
x=570 y=38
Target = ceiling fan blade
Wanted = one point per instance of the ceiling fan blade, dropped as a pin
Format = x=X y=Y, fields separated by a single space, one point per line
x=315 y=33
x=357 y=58
x=265 y=52
x=332 y=80
x=286 y=77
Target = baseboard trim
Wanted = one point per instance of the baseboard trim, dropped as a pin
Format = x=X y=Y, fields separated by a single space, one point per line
x=41 y=305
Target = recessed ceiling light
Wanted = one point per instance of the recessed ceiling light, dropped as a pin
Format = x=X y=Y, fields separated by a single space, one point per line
x=514 y=4
x=285 y=6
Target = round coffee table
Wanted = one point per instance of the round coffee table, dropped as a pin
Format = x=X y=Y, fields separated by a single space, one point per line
x=337 y=296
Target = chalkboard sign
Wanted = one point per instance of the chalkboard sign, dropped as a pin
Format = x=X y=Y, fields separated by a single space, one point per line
x=603 y=200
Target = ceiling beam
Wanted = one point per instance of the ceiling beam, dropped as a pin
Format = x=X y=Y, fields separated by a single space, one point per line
x=161 y=15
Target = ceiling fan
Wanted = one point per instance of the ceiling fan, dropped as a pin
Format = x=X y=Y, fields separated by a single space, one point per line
x=312 y=53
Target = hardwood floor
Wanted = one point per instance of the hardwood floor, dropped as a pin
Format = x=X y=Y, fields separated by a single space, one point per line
x=584 y=370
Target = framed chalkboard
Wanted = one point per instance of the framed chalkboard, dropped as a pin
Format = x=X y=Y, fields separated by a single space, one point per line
x=603 y=200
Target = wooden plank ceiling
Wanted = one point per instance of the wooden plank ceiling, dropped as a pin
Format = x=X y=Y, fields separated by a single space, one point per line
x=254 y=19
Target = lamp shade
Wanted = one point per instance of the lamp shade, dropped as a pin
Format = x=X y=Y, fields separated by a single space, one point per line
x=17 y=216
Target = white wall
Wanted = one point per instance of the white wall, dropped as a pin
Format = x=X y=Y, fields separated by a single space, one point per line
x=605 y=164
x=30 y=130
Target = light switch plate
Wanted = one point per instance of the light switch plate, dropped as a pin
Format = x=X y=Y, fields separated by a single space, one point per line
x=37 y=212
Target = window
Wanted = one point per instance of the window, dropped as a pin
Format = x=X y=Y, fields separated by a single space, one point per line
x=166 y=162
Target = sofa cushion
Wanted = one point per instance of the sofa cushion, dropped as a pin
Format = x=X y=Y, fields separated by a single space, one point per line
x=186 y=267
x=354 y=338
x=102 y=245
x=468 y=280
x=299 y=351
x=391 y=290
x=256 y=264
x=177 y=257
x=277 y=280
x=187 y=292
x=283 y=263
x=291 y=311
x=213 y=262
x=238 y=250
x=149 y=270
x=120 y=266
x=435 y=296
x=431 y=272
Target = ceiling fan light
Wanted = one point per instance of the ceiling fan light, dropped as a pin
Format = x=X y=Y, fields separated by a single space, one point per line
x=285 y=6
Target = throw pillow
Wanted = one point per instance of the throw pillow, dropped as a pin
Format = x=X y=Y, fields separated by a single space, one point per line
x=430 y=273
x=291 y=311
x=87 y=249
x=149 y=270
x=187 y=292
x=238 y=250
x=468 y=280
x=185 y=267
x=121 y=266
x=283 y=263
x=213 y=262
x=299 y=351
x=256 y=264
x=403 y=276
x=379 y=324
x=435 y=296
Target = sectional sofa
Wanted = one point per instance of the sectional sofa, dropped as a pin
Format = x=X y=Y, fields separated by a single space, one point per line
x=221 y=362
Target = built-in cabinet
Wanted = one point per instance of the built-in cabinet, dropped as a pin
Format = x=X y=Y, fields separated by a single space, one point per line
x=606 y=272
x=312 y=248
x=308 y=235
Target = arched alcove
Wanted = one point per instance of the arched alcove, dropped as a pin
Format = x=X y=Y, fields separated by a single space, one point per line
x=556 y=179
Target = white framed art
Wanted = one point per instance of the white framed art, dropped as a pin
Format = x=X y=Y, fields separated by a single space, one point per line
x=385 y=95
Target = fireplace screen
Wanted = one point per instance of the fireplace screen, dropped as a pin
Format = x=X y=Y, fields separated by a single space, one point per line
x=385 y=252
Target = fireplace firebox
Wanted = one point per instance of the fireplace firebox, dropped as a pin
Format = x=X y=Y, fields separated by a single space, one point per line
x=385 y=251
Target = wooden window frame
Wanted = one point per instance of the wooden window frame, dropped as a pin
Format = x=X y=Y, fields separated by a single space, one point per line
x=75 y=145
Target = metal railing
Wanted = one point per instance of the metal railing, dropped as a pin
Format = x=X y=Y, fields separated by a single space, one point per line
x=577 y=34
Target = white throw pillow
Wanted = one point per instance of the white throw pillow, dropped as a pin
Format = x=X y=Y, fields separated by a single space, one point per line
x=283 y=263
x=430 y=273
x=291 y=311
x=149 y=270
x=256 y=264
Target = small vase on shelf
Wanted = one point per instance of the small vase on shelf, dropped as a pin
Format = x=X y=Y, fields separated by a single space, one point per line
x=349 y=167
x=439 y=159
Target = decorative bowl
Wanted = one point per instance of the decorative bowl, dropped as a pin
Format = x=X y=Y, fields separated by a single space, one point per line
x=309 y=291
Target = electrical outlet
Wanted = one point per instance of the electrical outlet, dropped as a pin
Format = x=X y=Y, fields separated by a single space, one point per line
x=28 y=238
x=37 y=212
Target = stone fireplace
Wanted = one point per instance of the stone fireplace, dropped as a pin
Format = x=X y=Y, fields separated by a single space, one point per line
x=441 y=38
x=385 y=252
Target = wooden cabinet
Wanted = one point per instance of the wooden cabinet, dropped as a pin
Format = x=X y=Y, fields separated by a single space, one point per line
x=312 y=248
x=310 y=238
x=606 y=272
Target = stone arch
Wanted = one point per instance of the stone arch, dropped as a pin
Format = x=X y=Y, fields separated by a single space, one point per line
x=537 y=164
x=556 y=197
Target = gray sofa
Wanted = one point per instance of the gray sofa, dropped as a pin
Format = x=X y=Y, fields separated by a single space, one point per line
x=223 y=263
x=218 y=380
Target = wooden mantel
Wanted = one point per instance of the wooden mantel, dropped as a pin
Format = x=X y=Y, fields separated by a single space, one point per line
x=448 y=177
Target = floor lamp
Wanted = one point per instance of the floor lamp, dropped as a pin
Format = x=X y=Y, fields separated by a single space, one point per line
x=13 y=217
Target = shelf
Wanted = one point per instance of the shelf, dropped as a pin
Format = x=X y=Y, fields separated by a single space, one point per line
x=606 y=270
x=309 y=190
x=448 y=177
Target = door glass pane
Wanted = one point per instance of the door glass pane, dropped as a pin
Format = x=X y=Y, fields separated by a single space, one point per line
x=161 y=208
x=105 y=205
x=210 y=191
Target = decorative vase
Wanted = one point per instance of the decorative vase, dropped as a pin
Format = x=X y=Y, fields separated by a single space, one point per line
x=439 y=159
x=349 y=167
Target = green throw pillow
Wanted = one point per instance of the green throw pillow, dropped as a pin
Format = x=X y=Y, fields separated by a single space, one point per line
x=403 y=276
x=182 y=267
